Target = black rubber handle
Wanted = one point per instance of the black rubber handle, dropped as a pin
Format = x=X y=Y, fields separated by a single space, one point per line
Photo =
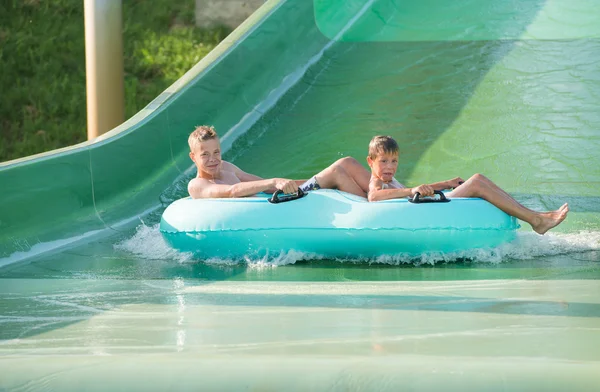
x=280 y=197
x=442 y=198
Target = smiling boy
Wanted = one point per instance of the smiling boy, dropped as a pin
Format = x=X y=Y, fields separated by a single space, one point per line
x=217 y=178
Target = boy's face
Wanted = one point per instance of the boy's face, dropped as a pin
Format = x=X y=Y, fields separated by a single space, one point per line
x=384 y=166
x=207 y=156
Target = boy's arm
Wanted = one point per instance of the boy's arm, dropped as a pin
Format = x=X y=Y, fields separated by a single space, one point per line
x=245 y=177
x=448 y=184
x=440 y=186
x=376 y=191
x=199 y=188
x=242 y=175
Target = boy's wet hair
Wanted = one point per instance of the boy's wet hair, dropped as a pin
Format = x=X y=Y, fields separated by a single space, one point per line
x=201 y=134
x=382 y=145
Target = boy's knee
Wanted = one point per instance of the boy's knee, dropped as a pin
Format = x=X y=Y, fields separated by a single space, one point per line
x=335 y=172
x=339 y=169
x=345 y=162
x=479 y=177
x=476 y=184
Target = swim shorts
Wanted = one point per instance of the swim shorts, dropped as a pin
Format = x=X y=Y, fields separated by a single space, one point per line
x=310 y=185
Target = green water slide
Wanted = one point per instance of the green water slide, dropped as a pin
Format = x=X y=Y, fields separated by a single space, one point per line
x=90 y=296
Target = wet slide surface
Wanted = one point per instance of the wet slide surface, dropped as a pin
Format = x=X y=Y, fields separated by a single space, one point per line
x=91 y=296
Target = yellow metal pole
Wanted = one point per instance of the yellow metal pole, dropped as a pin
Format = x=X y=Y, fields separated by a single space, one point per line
x=104 y=65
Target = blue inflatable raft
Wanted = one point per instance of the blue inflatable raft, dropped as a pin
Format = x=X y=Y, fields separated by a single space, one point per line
x=332 y=224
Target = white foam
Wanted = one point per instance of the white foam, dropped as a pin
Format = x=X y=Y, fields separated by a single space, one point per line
x=268 y=261
x=148 y=243
x=527 y=245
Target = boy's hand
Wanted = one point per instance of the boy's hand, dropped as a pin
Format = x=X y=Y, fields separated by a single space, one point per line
x=425 y=190
x=285 y=185
x=454 y=183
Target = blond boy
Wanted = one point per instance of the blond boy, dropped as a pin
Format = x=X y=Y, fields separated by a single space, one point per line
x=217 y=178
x=383 y=161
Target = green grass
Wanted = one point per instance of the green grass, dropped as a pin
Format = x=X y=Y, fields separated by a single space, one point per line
x=42 y=65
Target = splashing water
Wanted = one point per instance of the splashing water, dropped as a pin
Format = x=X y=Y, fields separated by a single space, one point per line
x=527 y=245
x=148 y=243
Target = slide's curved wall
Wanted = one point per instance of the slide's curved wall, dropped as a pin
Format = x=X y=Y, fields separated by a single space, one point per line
x=95 y=185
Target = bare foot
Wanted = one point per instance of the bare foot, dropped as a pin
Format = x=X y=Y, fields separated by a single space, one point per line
x=548 y=220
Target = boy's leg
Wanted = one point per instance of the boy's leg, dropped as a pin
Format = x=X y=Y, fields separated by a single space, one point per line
x=359 y=174
x=347 y=175
x=480 y=186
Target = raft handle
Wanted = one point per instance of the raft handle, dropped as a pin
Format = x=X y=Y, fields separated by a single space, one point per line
x=442 y=198
x=277 y=198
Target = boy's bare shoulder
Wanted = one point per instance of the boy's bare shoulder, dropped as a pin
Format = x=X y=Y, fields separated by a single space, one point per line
x=228 y=166
x=196 y=185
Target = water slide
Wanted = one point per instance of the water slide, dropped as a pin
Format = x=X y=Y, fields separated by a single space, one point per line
x=91 y=296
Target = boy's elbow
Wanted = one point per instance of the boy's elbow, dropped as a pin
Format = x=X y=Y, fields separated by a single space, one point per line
x=193 y=192
x=371 y=197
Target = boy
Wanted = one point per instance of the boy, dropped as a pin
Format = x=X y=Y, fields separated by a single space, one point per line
x=220 y=179
x=383 y=161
